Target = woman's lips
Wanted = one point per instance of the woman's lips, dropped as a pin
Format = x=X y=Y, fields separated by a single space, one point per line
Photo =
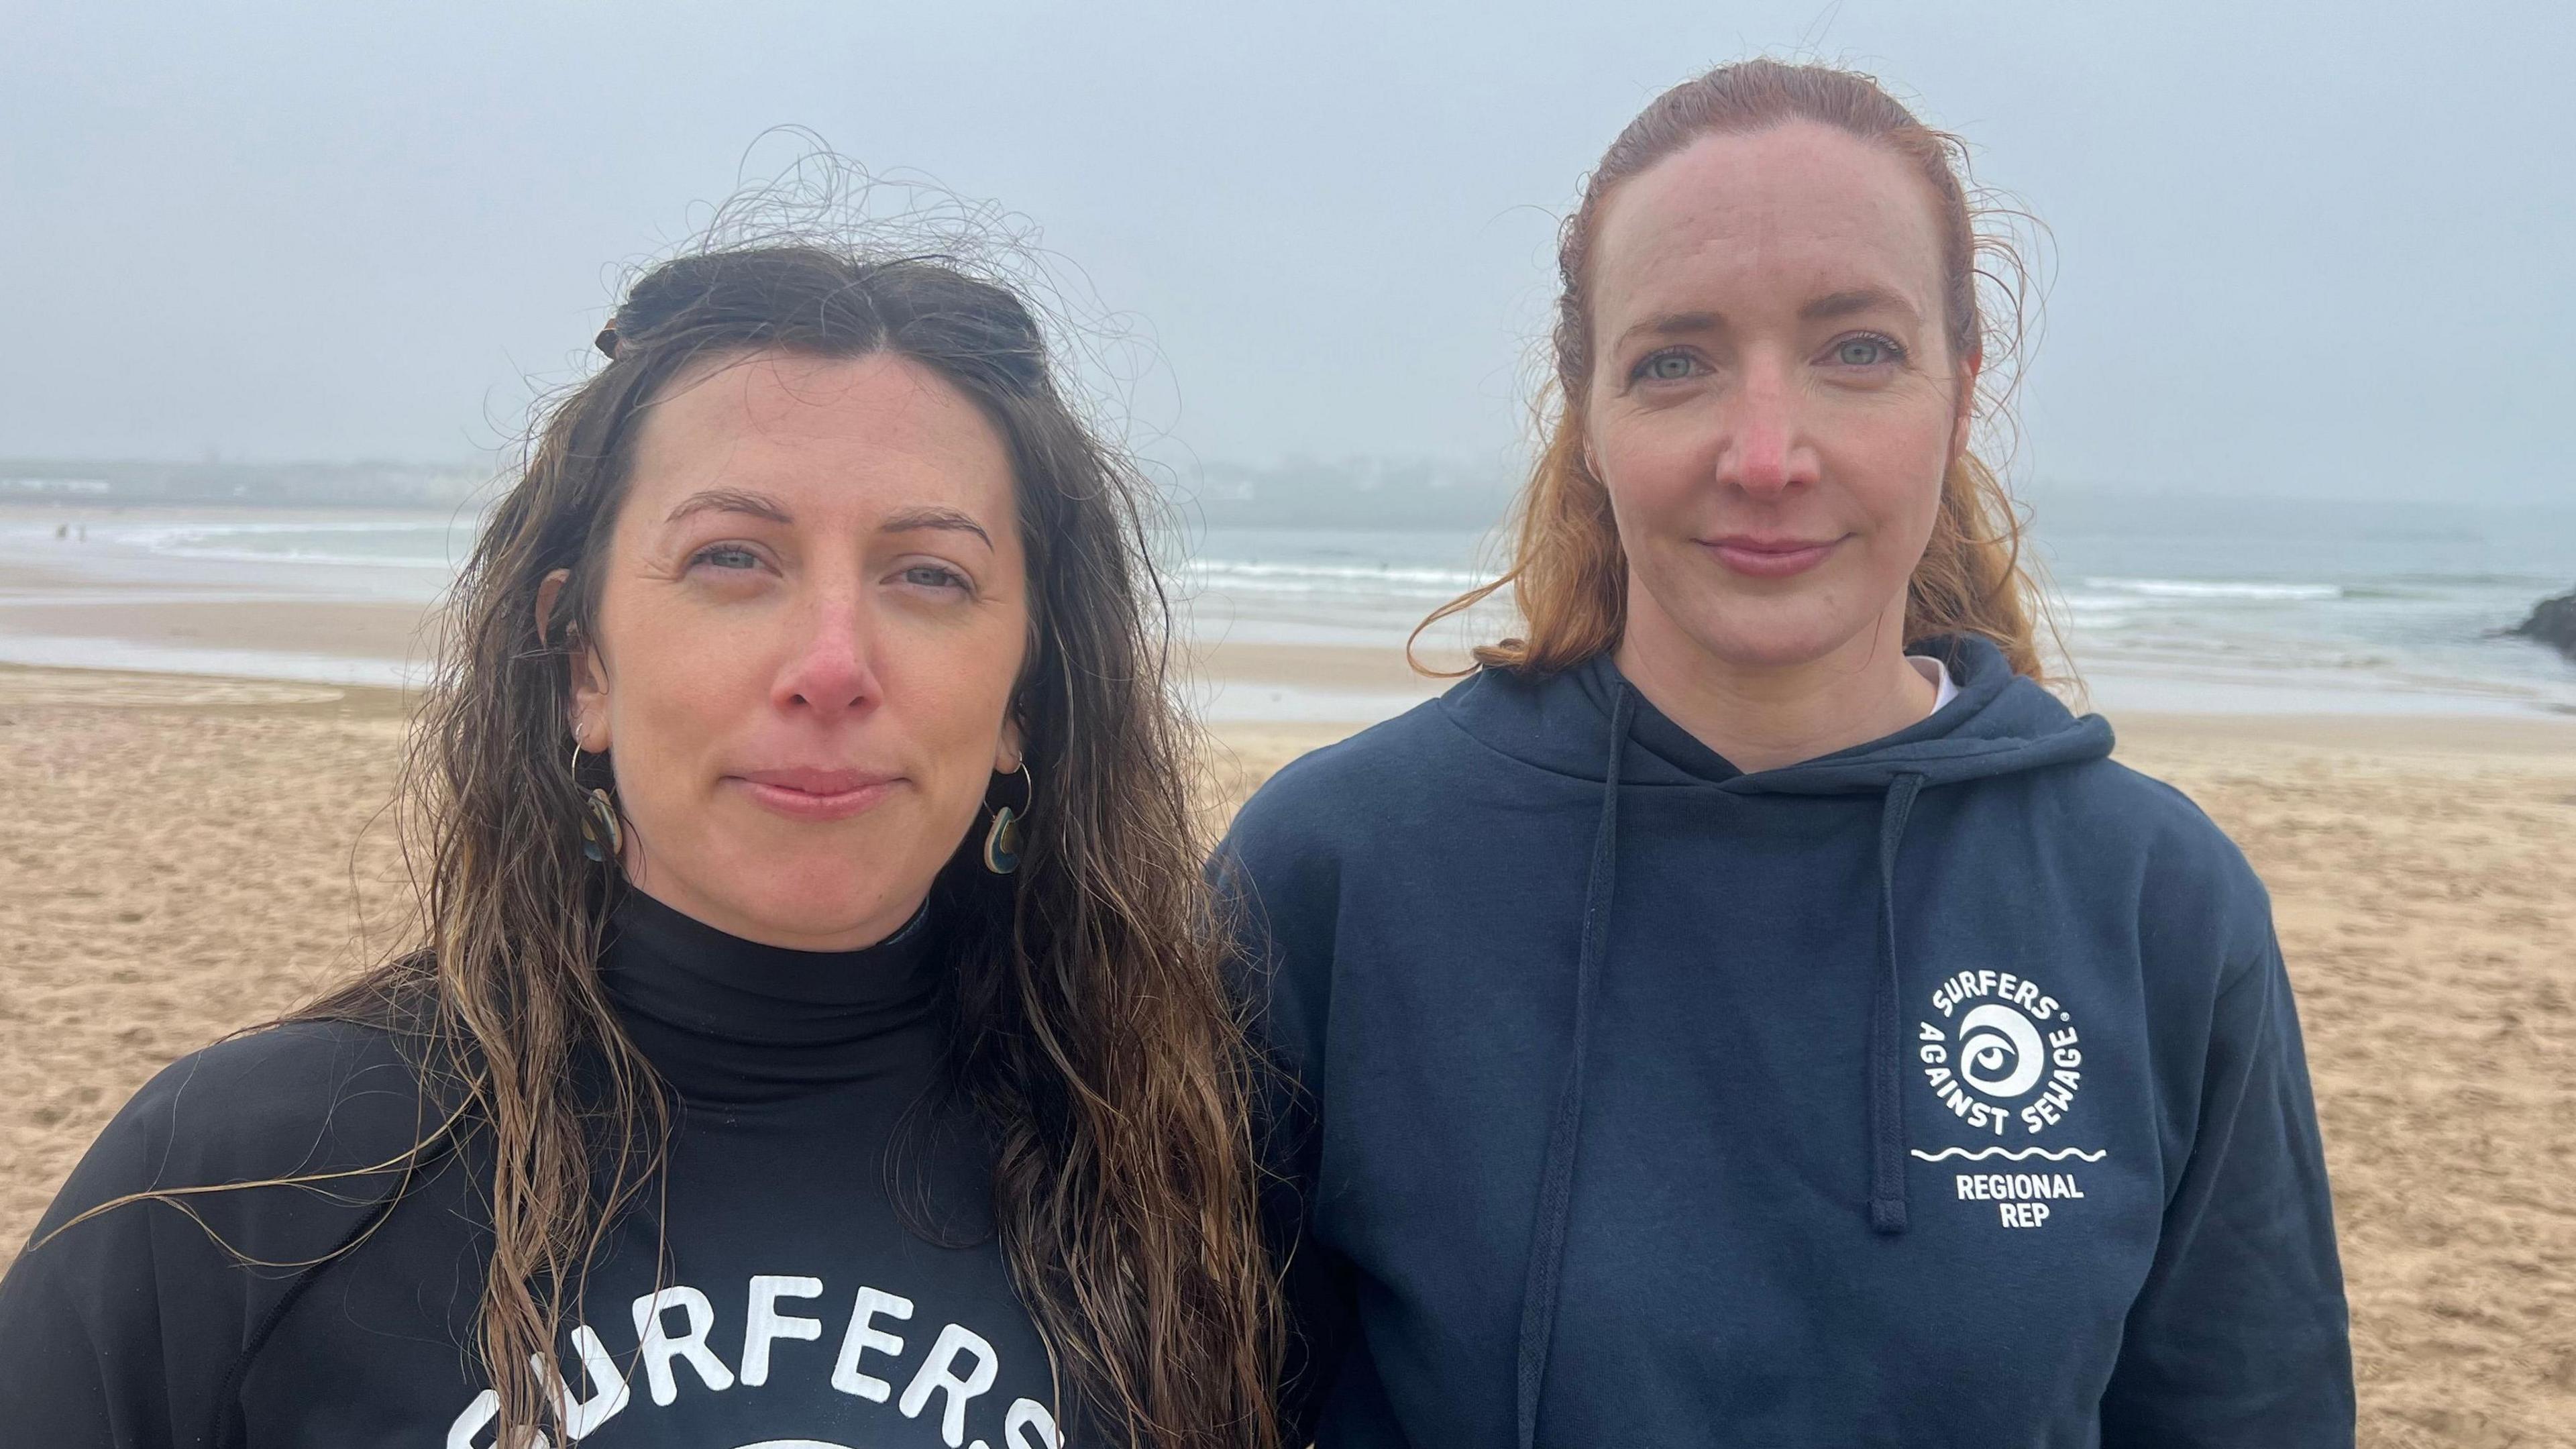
x=815 y=794
x=1770 y=558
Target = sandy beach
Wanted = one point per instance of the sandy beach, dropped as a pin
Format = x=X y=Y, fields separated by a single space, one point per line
x=187 y=856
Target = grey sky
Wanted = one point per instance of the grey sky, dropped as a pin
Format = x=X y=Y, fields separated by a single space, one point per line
x=2301 y=249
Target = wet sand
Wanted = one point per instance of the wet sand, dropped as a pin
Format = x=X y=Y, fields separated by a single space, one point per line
x=183 y=857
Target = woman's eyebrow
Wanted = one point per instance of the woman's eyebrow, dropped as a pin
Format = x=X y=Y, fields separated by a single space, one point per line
x=909 y=519
x=730 y=500
x=1676 y=324
x=1857 y=299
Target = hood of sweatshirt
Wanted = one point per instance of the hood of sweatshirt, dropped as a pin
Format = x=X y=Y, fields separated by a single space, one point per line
x=2000 y=723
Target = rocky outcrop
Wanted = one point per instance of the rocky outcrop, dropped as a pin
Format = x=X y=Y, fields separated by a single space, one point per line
x=2552 y=622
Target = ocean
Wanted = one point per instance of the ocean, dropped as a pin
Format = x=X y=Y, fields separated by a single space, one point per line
x=2193 y=604
x=2201 y=605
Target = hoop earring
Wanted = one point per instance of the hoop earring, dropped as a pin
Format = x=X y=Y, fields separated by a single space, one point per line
x=1002 y=841
x=601 y=835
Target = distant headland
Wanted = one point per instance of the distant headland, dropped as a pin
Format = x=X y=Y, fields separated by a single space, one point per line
x=2552 y=622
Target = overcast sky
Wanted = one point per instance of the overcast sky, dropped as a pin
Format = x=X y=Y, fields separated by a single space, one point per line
x=2299 y=249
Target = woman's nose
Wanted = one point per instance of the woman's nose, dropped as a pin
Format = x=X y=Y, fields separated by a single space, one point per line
x=831 y=665
x=1766 y=452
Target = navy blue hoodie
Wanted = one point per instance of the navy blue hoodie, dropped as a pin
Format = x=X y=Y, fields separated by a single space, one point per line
x=1943 y=1091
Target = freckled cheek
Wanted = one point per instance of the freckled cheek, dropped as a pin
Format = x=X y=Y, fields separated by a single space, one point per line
x=1892 y=466
x=1655 y=467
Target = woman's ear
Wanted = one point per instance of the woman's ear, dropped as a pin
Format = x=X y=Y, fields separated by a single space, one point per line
x=587 y=688
x=1012 y=750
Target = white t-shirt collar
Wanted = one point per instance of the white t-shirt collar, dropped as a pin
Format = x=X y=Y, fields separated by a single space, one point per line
x=1945 y=689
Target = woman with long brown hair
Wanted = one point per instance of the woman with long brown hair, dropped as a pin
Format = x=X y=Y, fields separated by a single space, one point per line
x=1750 y=1009
x=817 y=1038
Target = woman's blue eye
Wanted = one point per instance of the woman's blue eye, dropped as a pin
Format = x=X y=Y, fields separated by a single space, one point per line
x=1668 y=367
x=1864 y=351
x=931 y=576
x=728 y=556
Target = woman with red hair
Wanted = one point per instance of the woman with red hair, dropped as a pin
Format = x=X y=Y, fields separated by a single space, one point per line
x=1750 y=1009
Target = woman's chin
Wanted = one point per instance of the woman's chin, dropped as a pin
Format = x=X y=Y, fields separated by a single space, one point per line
x=1774 y=640
x=838 y=910
x=828 y=923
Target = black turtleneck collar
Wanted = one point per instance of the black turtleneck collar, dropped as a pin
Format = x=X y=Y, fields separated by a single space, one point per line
x=730 y=1021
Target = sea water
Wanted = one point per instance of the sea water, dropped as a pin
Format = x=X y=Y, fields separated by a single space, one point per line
x=2160 y=603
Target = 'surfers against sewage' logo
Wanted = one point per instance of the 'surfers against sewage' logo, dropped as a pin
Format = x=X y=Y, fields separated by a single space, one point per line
x=2001 y=1052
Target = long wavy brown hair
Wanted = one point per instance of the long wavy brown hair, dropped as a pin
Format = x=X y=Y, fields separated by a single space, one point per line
x=1094 y=1036
x=1568 y=574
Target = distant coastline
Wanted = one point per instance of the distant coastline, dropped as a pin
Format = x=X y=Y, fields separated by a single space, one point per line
x=1297 y=493
x=119 y=483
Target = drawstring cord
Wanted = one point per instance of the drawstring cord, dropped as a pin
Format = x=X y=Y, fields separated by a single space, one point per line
x=1556 y=1180
x=1887 y=1205
x=1886 y=1049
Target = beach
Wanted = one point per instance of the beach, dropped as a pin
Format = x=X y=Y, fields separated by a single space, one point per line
x=201 y=730
x=189 y=856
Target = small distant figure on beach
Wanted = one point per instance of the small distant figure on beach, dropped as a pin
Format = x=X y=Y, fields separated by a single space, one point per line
x=62 y=531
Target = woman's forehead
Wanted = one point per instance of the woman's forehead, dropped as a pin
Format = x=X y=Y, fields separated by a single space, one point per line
x=792 y=400
x=831 y=427
x=1771 y=215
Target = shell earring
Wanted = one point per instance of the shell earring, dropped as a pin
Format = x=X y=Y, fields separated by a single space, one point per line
x=1002 y=841
x=601 y=836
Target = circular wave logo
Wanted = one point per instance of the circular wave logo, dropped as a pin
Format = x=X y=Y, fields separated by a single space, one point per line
x=2000 y=1050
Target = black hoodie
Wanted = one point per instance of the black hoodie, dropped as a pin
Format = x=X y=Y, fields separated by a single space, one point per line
x=1946 y=1090
x=769 y=1290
